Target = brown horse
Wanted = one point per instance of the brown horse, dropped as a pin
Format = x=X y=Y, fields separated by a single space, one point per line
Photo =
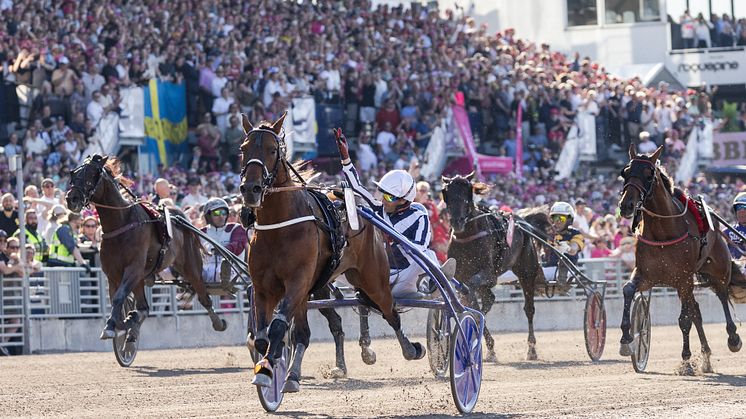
x=670 y=251
x=130 y=249
x=291 y=254
x=481 y=249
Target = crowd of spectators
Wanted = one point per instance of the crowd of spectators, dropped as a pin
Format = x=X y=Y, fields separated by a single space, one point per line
x=717 y=31
x=396 y=72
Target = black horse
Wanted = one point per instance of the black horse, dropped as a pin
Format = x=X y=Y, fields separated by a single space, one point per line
x=483 y=250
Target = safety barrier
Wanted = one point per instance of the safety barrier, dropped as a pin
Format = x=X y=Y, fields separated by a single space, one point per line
x=69 y=293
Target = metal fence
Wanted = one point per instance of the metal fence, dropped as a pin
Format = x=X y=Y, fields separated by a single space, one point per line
x=67 y=293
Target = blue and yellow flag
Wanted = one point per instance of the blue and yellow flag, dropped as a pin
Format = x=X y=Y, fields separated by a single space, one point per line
x=165 y=119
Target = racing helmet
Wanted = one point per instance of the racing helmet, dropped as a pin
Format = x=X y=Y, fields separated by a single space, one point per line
x=213 y=204
x=398 y=183
x=739 y=200
x=562 y=208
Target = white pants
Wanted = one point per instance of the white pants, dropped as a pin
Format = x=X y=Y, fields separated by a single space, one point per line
x=510 y=276
x=405 y=281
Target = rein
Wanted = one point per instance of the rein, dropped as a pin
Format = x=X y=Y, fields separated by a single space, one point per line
x=139 y=201
x=476 y=236
x=663 y=243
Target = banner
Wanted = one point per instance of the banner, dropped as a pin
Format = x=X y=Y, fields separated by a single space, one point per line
x=435 y=156
x=132 y=117
x=479 y=162
x=729 y=149
x=688 y=164
x=104 y=140
x=301 y=126
x=586 y=136
x=569 y=155
x=165 y=119
x=711 y=67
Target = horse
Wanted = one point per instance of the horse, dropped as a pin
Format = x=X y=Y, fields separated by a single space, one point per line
x=131 y=251
x=483 y=251
x=291 y=255
x=671 y=249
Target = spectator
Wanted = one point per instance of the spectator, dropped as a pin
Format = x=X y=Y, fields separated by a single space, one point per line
x=9 y=215
x=33 y=235
x=57 y=214
x=63 y=248
x=600 y=248
x=64 y=78
x=89 y=241
x=646 y=146
x=194 y=198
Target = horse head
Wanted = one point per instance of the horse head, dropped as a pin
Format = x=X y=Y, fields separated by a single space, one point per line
x=263 y=153
x=458 y=194
x=85 y=181
x=640 y=176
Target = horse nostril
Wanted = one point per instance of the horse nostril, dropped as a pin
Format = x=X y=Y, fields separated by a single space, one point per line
x=256 y=189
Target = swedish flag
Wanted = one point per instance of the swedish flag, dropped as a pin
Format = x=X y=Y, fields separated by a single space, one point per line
x=165 y=119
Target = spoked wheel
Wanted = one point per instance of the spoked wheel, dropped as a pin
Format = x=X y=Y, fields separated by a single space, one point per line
x=594 y=326
x=466 y=363
x=438 y=338
x=124 y=351
x=640 y=318
x=271 y=397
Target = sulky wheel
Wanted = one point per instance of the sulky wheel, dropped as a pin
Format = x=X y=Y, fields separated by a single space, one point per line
x=594 y=326
x=466 y=363
x=640 y=319
x=438 y=339
x=271 y=397
x=124 y=351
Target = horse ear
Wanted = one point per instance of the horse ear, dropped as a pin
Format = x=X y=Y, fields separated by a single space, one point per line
x=470 y=176
x=103 y=161
x=632 y=151
x=445 y=180
x=656 y=154
x=247 y=127
x=277 y=126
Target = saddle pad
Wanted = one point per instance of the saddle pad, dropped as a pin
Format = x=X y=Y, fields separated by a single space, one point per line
x=702 y=226
x=160 y=226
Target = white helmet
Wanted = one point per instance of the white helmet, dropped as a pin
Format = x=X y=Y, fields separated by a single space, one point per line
x=213 y=204
x=398 y=183
x=739 y=200
x=562 y=208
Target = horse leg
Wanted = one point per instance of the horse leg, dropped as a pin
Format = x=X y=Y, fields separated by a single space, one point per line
x=301 y=335
x=685 y=324
x=129 y=278
x=292 y=303
x=734 y=341
x=136 y=317
x=204 y=299
x=488 y=299
x=382 y=297
x=706 y=351
x=335 y=327
x=629 y=290
x=367 y=354
x=530 y=310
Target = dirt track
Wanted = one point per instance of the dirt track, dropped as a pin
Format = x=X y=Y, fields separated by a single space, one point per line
x=214 y=382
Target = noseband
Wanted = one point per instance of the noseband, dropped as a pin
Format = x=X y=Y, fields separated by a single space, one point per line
x=91 y=186
x=646 y=188
x=267 y=178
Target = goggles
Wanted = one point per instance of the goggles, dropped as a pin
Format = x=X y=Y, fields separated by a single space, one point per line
x=559 y=217
x=222 y=212
x=390 y=198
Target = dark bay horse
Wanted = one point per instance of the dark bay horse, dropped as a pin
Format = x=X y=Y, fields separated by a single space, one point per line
x=290 y=254
x=670 y=251
x=482 y=251
x=130 y=247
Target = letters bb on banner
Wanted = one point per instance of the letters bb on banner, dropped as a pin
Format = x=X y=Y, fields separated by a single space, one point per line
x=729 y=149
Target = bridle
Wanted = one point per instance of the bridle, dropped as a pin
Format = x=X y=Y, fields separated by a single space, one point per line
x=468 y=219
x=91 y=186
x=645 y=191
x=267 y=178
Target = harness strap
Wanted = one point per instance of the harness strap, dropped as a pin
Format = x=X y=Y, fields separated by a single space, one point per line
x=662 y=243
x=473 y=237
x=125 y=228
x=264 y=227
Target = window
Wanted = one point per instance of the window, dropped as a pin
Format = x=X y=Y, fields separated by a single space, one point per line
x=581 y=13
x=631 y=11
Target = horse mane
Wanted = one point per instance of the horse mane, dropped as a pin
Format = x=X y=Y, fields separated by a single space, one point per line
x=304 y=169
x=114 y=167
x=667 y=183
x=538 y=217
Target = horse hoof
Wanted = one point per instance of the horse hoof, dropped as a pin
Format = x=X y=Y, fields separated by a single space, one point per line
x=107 y=334
x=531 y=355
x=221 y=326
x=491 y=356
x=686 y=368
x=291 y=386
x=737 y=346
x=419 y=352
x=261 y=380
x=625 y=349
x=337 y=372
x=368 y=355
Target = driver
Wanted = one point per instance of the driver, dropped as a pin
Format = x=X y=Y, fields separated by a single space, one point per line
x=397 y=207
x=736 y=245
x=567 y=240
x=230 y=235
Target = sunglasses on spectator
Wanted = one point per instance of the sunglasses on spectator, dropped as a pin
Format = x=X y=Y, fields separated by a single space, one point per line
x=219 y=213
x=559 y=217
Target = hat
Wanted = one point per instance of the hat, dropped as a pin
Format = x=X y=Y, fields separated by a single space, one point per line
x=47 y=180
x=644 y=135
x=63 y=60
x=580 y=201
x=56 y=212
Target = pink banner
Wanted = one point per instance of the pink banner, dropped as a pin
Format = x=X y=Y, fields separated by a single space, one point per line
x=729 y=149
x=519 y=142
x=482 y=163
